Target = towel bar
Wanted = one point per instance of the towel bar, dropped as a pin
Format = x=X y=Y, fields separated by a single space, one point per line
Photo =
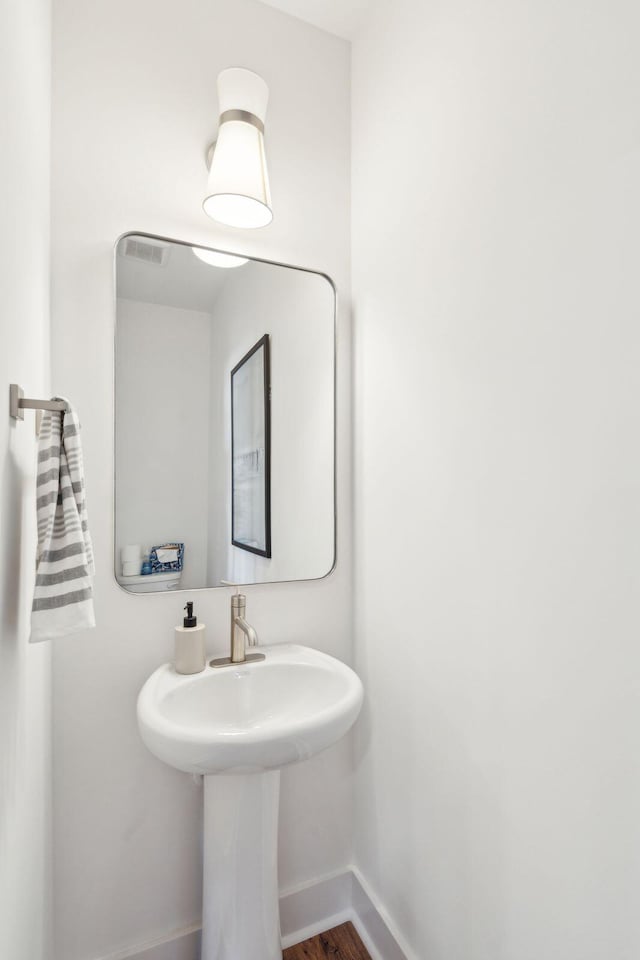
x=18 y=403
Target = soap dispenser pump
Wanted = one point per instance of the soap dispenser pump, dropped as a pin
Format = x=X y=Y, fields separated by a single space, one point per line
x=190 y=653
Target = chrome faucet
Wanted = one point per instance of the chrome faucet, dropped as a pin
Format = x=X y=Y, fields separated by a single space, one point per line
x=240 y=629
x=241 y=633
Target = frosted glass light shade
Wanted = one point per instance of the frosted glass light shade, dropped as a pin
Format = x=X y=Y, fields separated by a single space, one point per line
x=216 y=259
x=238 y=192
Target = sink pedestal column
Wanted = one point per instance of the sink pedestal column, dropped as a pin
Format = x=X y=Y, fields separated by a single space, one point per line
x=241 y=918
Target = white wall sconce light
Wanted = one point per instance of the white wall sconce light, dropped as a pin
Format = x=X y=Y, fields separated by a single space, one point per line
x=238 y=192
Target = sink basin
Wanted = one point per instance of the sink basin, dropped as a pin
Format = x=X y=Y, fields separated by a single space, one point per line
x=251 y=717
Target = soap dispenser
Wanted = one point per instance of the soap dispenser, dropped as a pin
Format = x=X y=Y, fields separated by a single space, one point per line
x=190 y=655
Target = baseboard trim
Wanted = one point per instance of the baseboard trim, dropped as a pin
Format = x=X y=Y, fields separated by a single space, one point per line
x=322 y=904
x=180 y=944
x=377 y=931
x=314 y=906
x=305 y=911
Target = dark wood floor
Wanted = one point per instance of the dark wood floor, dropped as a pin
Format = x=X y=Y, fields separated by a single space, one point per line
x=341 y=943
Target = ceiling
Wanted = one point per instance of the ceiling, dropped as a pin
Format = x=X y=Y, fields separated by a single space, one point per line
x=342 y=17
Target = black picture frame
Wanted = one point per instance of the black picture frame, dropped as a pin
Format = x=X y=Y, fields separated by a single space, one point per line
x=251 y=461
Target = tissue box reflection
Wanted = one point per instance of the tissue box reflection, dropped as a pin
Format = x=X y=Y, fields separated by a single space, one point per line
x=167 y=556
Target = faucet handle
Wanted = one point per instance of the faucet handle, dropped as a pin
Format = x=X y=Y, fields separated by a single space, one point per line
x=230 y=583
x=238 y=600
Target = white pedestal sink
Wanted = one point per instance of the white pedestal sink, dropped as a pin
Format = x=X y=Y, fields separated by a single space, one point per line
x=238 y=725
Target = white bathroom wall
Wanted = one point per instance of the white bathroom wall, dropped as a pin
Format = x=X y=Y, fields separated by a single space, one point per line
x=134 y=108
x=162 y=442
x=25 y=679
x=496 y=203
x=296 y=309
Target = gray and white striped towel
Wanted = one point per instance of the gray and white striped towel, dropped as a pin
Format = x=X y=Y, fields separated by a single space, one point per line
x=63 y=595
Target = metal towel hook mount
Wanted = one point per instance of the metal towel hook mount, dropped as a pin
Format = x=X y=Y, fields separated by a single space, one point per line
x=18 y=403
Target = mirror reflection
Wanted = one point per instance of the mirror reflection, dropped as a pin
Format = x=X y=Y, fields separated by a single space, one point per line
x=224 y=386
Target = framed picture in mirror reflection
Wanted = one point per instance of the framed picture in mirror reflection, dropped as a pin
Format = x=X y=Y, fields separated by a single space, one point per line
x=251 y=450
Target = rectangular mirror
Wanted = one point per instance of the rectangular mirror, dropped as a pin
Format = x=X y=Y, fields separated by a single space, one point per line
x=225 y=418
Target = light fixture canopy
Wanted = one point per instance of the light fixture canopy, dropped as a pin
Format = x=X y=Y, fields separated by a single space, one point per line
x=238 y=192
x=216 y=259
